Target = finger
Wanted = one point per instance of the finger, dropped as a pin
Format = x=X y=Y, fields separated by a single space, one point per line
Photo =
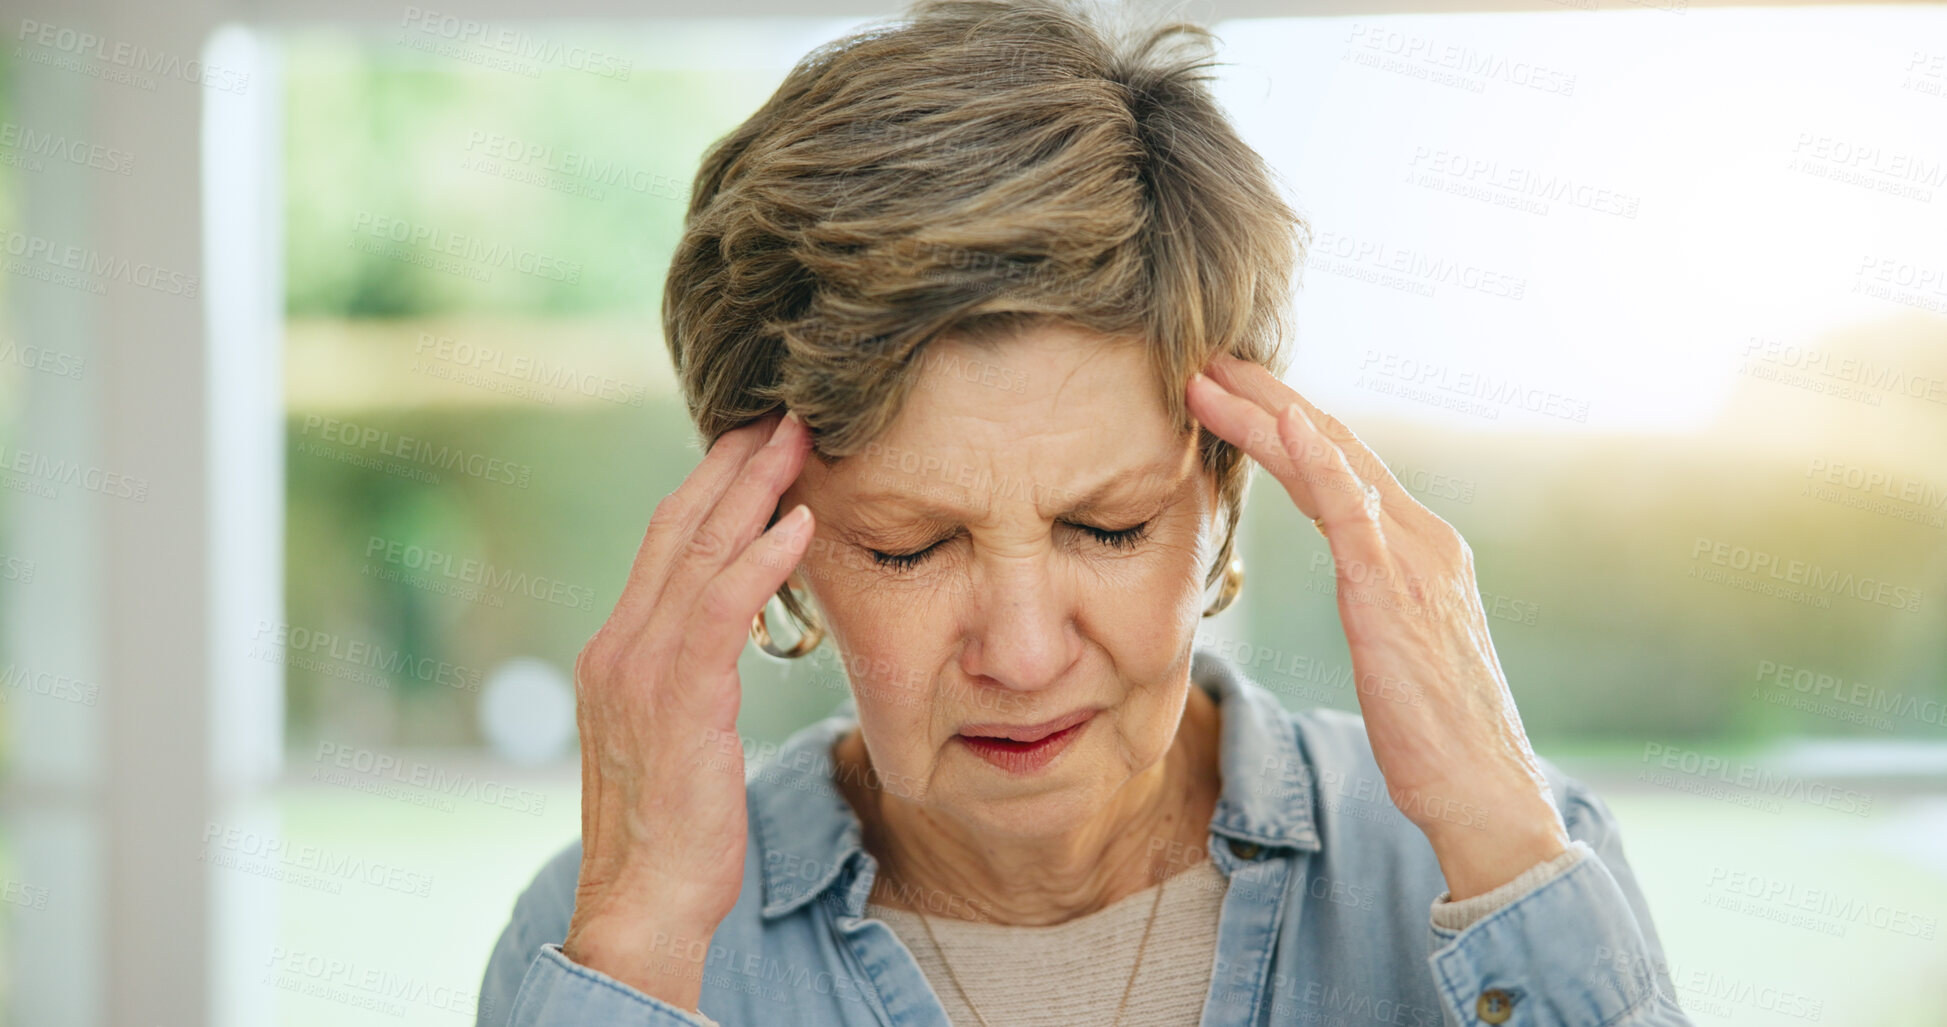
x=743 y=511
x=1256 y=383
x=679 y=514
x=1348 y=508
x=724 y=609
x=1254 y=430
x=1311 y=467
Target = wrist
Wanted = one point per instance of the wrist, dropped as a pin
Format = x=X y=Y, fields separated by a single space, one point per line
x=1477 y=862
x=664 y=959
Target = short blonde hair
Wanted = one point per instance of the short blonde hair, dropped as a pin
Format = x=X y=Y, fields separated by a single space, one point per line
x=972 y=168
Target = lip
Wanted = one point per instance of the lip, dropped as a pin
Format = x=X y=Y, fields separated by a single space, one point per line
x=1024 y=748
x=1028 y=732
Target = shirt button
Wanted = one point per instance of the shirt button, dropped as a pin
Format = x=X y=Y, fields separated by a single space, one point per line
x=1243 y=849
x=1494 y=1006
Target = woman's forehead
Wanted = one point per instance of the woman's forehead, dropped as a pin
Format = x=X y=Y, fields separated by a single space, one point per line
x=968 y=481
x=1060 y=419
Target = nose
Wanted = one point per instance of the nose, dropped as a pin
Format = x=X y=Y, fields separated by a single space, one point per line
x=1023 y=635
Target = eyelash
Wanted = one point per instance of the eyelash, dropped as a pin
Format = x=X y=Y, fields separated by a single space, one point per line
x=1122 y=538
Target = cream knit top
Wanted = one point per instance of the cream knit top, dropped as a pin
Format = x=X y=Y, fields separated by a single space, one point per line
x=1072 y=974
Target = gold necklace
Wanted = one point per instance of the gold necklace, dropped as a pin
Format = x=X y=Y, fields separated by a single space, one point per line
x=1126 y=989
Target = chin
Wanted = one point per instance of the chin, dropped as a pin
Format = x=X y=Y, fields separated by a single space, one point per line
x=1041 y=814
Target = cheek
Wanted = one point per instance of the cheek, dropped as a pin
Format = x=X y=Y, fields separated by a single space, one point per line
x=1145 y=609
x=891 y=681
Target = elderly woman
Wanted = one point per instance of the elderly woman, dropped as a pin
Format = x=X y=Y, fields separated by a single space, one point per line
x=989 y=303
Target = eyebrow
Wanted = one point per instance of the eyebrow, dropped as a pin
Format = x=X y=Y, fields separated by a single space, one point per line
x=987 y=485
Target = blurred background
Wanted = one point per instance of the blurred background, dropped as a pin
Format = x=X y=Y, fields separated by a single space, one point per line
x=333 y=402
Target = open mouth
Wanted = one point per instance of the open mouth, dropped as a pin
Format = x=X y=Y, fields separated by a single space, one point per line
x=1024 y=748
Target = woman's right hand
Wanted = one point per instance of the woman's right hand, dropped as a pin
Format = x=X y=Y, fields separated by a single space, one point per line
x=663 y=824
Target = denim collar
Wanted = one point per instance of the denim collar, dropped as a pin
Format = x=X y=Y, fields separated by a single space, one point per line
x=811 y=839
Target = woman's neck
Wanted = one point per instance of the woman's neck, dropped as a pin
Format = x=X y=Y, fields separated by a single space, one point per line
x=1157 y=824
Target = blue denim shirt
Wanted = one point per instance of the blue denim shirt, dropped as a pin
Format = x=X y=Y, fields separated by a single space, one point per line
x=1327 y=918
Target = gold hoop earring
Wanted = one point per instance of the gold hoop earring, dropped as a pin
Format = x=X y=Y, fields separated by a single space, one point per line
x=1227 y=593
x=808 y=639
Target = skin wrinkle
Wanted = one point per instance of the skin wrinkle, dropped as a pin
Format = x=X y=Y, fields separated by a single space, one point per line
x=1035 y=611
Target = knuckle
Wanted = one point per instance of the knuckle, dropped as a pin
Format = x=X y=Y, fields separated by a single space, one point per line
x=717 y=605
x=596 y=662
x=707 y=544
x=673 y=509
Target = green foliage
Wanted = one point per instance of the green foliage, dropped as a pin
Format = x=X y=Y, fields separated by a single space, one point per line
x=583 y=175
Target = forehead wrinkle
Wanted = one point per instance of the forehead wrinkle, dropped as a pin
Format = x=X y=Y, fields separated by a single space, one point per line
x=990 y=436
x=1164 y=479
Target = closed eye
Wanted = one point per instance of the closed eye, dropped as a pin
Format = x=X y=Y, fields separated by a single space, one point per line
x=902 y=561
x=1119 y=538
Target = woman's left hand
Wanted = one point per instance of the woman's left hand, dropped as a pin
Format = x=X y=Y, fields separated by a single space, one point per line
x=1437 y=708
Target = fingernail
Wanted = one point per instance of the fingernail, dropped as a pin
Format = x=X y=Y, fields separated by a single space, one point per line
x=793 y=522
x=1198 y=377
x=777 y=433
